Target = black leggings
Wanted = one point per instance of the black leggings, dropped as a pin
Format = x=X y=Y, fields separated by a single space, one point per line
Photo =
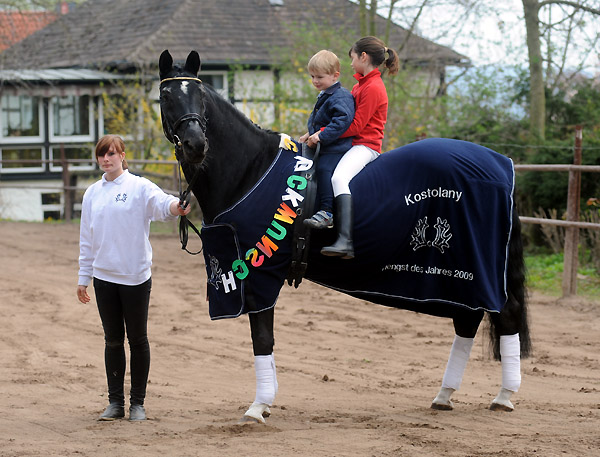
x=125 y=307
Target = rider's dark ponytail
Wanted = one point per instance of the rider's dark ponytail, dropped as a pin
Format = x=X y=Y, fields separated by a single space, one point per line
x=377 y=51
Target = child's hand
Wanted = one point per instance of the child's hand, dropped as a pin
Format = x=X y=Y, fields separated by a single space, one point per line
x=303 y=138
x=313 y=139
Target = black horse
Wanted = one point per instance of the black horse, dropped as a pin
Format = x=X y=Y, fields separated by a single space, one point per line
x=227 y=161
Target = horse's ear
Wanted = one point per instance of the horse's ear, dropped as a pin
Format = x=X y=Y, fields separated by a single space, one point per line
x=192 y=64
x=165 y=63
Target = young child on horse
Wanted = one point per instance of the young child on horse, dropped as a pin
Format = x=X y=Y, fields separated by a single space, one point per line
x=331 y=116
x=115 y=253
x=370 y=116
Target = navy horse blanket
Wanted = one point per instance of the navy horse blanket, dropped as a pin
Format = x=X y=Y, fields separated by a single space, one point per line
x=432 y=225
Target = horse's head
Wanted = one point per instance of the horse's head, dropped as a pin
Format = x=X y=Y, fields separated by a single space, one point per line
x=182 y=105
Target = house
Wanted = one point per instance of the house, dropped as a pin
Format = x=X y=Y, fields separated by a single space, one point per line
x=52 y=82
x=17 y=25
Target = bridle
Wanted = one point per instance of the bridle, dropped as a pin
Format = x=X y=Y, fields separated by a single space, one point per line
x=184 y=196
x=170 y=131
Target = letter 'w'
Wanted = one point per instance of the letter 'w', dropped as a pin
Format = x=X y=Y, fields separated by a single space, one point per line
x=285 y=214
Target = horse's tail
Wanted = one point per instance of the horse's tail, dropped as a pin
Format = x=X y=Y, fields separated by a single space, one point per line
x=514 y=312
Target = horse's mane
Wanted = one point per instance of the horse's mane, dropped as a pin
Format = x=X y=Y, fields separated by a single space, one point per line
x=232 y=110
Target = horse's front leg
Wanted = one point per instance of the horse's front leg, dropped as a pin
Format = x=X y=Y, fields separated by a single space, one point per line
x=261 y=326
x=465 y=326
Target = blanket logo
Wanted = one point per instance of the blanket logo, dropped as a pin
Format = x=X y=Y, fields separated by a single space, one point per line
x=442 y=235
x=215 y=273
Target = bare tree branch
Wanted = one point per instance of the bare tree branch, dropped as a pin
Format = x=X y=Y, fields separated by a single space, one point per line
x=577 y=5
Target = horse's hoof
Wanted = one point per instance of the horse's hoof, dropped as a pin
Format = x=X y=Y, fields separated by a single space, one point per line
x=502 y=407
x=502 y=401
x=251 y=420
x=442 y=400
x=256 y=413
x=443 y=406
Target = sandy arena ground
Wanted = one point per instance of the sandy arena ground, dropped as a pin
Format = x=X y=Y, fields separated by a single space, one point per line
x=355 y=379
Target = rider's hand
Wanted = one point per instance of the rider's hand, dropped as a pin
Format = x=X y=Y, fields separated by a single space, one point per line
x=313 y=139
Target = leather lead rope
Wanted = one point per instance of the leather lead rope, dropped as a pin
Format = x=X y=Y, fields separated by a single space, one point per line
x=184 y=201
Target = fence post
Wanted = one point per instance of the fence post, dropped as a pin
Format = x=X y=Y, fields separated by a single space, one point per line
x=67 y=192
x=571 y=253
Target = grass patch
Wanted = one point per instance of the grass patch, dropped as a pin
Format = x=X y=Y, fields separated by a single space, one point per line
x=169 y=227
x=544 y=274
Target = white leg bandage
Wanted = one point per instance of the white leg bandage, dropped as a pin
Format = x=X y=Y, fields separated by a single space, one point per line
x=457 y=362
x=266 y=379
x=510 y=354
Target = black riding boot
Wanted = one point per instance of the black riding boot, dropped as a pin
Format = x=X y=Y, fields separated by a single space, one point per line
x=344 y=217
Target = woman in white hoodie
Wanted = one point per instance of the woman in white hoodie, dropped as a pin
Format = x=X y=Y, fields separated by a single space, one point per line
x=115 y=252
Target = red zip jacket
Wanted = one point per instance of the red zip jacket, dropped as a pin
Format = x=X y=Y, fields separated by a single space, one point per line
x=371 y=103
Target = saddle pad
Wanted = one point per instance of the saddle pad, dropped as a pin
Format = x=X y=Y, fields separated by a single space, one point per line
x=432 y=225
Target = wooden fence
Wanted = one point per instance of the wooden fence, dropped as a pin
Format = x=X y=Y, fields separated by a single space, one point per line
x=572 y=224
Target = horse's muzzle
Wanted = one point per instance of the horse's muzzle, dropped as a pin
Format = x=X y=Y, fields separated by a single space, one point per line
x=194 y=144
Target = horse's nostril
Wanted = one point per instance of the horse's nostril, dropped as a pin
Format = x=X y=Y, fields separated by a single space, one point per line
x=194 y=143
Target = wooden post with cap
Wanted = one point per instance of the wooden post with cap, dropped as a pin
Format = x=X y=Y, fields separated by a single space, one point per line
x=571 y=252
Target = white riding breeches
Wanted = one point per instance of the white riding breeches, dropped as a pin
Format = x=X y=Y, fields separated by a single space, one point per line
x=349 y=166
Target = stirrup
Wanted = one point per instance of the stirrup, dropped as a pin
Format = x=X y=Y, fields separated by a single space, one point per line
x=320 y=220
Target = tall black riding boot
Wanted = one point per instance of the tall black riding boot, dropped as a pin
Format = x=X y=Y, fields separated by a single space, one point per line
x=344 y=217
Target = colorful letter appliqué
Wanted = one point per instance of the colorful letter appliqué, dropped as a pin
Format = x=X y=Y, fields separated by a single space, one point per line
x=247 y=248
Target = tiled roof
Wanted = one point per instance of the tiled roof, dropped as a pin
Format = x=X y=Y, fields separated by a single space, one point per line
x=17 y=25
x=122 y=33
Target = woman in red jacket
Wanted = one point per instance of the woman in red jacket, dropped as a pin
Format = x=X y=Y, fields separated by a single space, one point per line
x=371 y=103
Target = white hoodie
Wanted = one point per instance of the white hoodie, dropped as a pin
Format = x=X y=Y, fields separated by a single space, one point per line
x=115 y=225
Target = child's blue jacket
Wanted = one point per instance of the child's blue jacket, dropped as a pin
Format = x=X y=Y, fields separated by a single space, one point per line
x=335 y=111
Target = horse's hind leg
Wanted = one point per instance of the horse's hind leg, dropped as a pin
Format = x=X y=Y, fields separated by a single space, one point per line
x=510 y=357
x=510 y=327
x=465 y=326
x=261 y=326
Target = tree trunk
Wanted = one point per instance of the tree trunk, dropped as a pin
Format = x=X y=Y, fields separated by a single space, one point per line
x=388 y=22
x=363 y=17
x=537 y=109
x=372 y=16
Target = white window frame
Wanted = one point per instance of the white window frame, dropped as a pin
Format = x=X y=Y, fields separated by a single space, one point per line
x=225 y=91
x=26 y=139
x=56 y=147
x=71 y=138
x=5 y=170
x=58 y=207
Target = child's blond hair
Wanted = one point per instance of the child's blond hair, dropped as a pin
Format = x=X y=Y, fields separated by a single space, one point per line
x=324 y=61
